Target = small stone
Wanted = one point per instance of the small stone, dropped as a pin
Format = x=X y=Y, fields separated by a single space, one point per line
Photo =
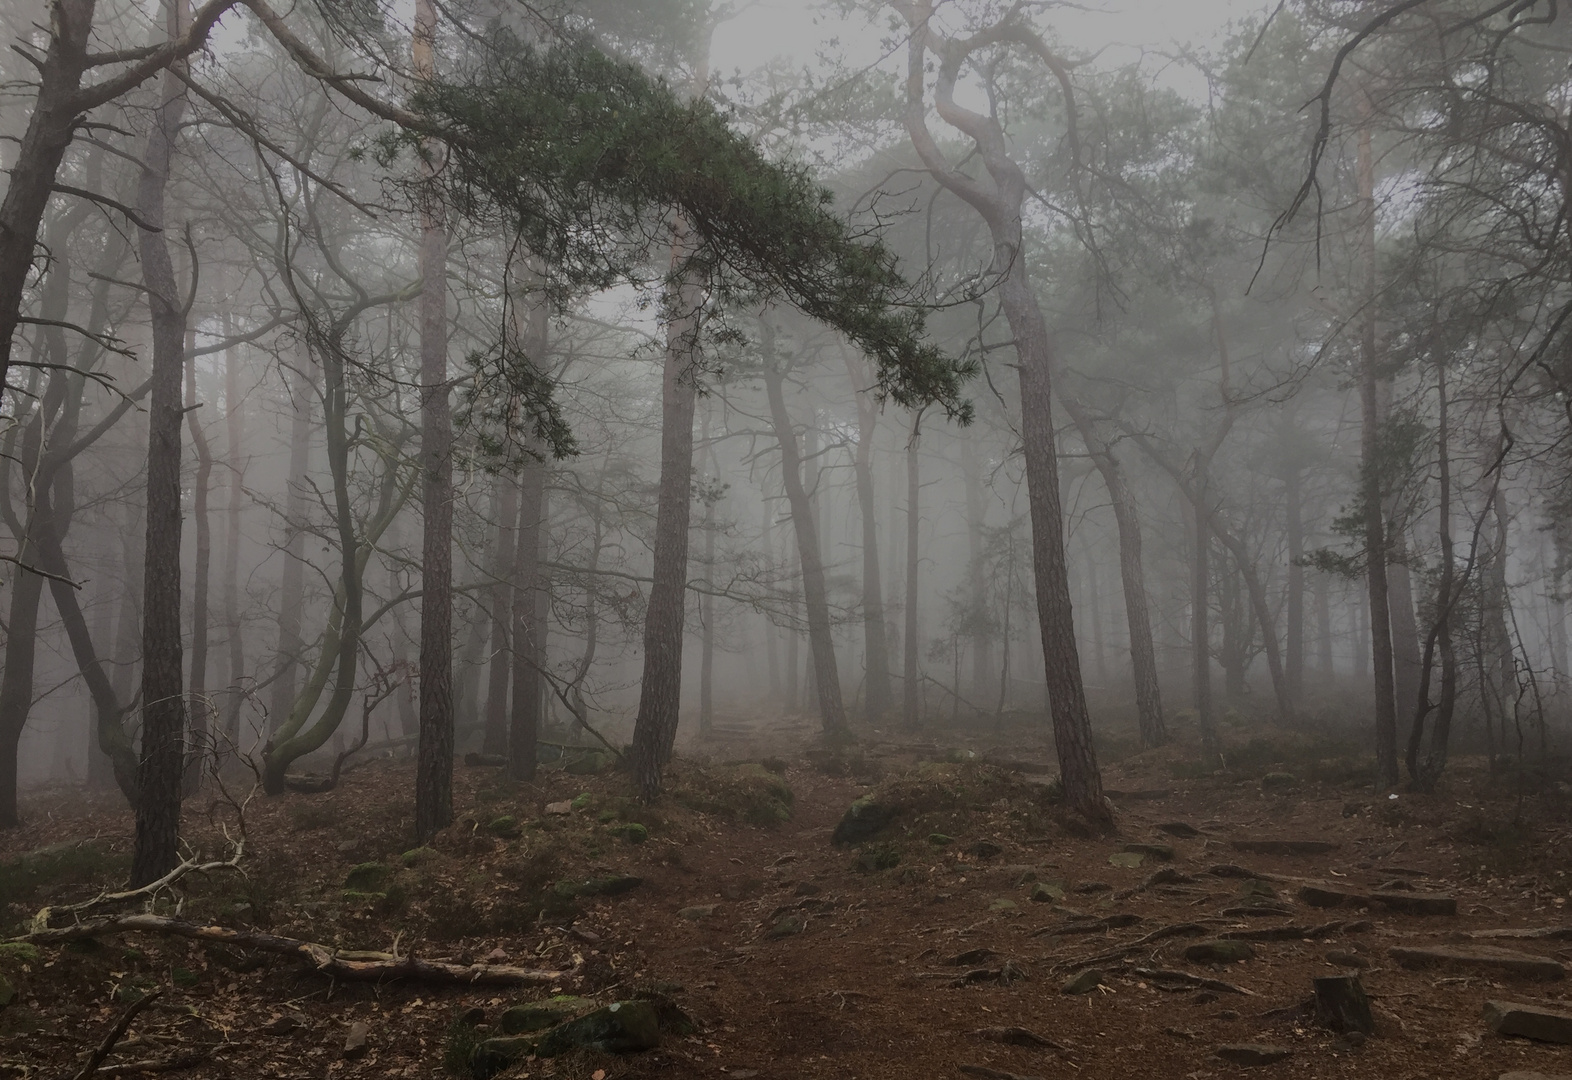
x=495 y=956
x=348 y=847
x=786 y=926
x=697 y=913
x=1180 y=828
x=1227 y=1014
x=1415 y=903
x=1045 y=892
x=1084 y=983
x=806 y=888
x=1156 y=851
x=1253 y=1053
x=1529 y=1021
x=560 y=809
x=1086 y=888
x=1225 y=951
x=971 y=958
x=281 y=1025
x=355 y=1043
x=1002 y=903
x=1128 y=859
x=983 y=849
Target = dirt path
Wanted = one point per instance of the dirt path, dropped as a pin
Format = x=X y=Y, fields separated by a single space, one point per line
x=796 y=964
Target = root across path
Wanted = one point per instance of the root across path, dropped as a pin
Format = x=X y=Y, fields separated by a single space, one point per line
x=972 y=934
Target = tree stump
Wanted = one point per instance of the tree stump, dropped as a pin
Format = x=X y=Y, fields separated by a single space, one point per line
x=1342 y=1005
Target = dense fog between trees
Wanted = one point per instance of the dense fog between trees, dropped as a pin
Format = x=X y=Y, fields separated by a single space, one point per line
x=536 y=383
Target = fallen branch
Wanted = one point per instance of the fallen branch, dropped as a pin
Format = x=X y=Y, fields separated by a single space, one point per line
x=115 y=1032
x=338 y=963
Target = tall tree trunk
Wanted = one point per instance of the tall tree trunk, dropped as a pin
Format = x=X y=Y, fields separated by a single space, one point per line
x=434 y=772
x=234 y=413
x=976 y=576
x=707 y=601
x=1323 y=630
x=1405 y=628
x=911 y=688
x=1094 y=602
x=528 y=627
x=16 y=685
x=810 y=481
x=199 y=710
x=1294 y=640
x=766 y=532
x=292 y=584
x=1427 y=773
x=1200 y=621
x=878 y=696
x=163 y=691
x=660 y=690
x=827 y=682
x=1376 y=553
x=505 y=504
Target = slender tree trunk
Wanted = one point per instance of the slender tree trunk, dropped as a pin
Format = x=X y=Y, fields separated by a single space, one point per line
x=832 y=713
x=1376 y=553
x=1405 y=630
x=505 y=504
x=911 y=688
x=163 y=691
x=707 y=601
x=1426 y=774
x=292 y=586
x=234 y=412
x=660 y=691
x=1094 y=602
x=766 y=532
x=976 y=576
x=1200 y=619
x=1294 y=642
x=879 y=695
x=524 y=715
x=16 y=686
x=1323 y=630
x=200 y=712
x=434 y=773
x=810 y=481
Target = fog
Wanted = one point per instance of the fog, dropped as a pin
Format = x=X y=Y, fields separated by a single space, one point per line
x=1208 y=378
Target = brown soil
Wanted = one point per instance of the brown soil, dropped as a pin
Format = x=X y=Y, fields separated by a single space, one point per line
x=867 y=989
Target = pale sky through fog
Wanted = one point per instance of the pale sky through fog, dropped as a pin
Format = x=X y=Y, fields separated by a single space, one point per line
x=798 y=29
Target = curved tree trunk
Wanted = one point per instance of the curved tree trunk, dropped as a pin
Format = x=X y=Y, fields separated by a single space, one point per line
x=827 y=681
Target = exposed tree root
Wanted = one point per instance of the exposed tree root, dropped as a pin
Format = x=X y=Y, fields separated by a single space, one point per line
x=338 y=963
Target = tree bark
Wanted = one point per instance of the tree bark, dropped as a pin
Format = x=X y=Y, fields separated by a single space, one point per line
x=528 y=628
x=879 y=695
x=163 y=701
x=434 y=771
x=505 y=504
x=292 y=585
x=1294 y=639
x=199 y=710
x=1376 y=553
x=234 y=414
x=911 y=681
x=1200 y=620
x=976 y=576
x=707 y=601
x=827 y=682
x=660 y=689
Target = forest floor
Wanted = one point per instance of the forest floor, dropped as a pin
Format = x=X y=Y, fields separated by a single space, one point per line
x=908 y=955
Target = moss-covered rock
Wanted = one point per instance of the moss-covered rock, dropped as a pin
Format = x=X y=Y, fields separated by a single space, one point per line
x=368 y=877
x=748 y=793
x=623 y=1027
x=540 y=1015
x=505 y=826
x=614 y=885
